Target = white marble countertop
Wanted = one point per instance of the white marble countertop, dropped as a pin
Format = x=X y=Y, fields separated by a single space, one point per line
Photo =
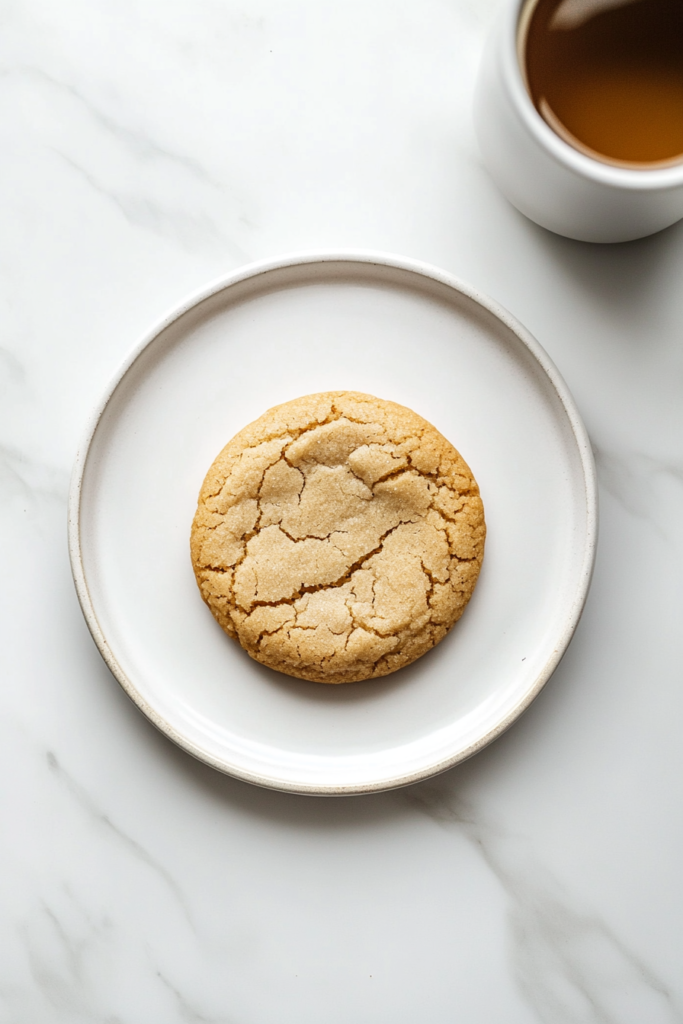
x=146 y=148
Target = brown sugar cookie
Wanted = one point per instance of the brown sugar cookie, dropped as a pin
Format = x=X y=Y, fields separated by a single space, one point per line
x=338 y=537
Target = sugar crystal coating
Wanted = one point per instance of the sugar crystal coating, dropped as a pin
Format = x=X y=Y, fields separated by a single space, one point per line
x=338 y=537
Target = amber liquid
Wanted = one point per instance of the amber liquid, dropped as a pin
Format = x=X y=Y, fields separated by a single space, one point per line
x=607 y=75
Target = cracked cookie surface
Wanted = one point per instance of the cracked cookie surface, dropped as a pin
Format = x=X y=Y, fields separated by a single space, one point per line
x=338 y=537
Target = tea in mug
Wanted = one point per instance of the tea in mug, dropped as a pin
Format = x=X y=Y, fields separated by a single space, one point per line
x=607 y=75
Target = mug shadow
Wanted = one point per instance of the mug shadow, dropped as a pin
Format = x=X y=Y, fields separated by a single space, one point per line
x=622 y=277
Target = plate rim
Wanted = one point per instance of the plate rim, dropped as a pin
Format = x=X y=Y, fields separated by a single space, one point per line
x=254 y=270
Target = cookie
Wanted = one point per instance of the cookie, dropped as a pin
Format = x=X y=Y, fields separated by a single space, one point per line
x=338 y=537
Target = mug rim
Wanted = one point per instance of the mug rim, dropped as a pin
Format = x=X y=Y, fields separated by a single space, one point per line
x=628 y=178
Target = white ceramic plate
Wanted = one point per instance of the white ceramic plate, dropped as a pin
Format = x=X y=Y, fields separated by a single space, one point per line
x=271 y=332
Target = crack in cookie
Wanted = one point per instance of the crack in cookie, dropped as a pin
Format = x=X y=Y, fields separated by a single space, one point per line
x=338 y=538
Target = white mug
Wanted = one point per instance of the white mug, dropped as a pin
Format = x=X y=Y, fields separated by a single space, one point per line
x=554 y=184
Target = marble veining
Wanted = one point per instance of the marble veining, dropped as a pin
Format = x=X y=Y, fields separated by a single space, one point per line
x=635 y=478
x=187 y=1011
x=147 y=148
x=86 y=803
x=569 y=963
